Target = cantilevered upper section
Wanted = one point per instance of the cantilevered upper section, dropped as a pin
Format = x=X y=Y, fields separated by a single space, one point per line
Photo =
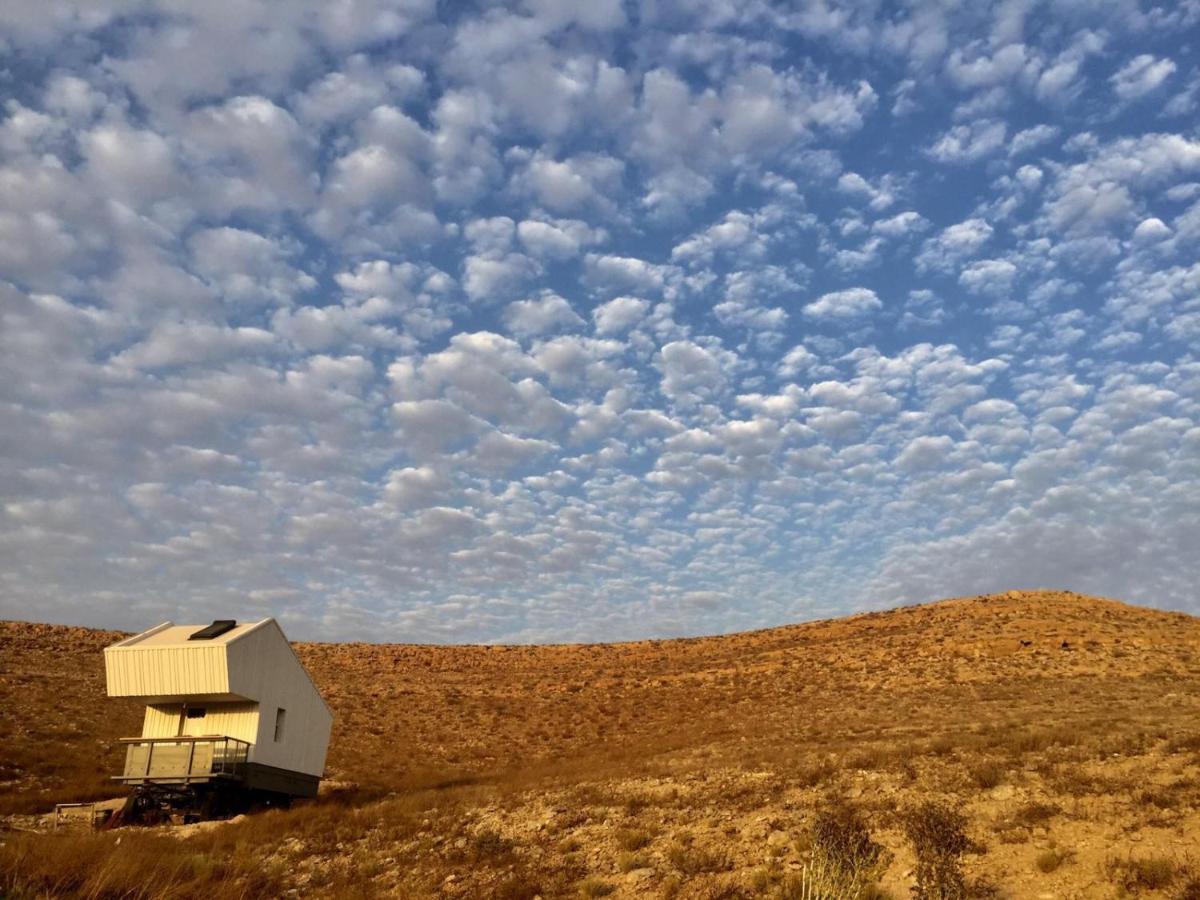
x=250 y=662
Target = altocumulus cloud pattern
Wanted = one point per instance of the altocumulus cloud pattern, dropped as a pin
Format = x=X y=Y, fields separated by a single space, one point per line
x=593 y=320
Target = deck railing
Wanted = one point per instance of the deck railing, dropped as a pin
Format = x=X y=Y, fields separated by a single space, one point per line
x=184 y=759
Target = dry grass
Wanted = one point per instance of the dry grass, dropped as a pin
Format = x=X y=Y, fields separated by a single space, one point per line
x=141 y=866
x=695 y=768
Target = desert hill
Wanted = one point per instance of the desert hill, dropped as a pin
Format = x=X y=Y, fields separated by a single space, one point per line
x=1066 y=728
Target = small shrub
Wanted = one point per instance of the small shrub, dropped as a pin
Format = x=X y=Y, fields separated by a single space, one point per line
x=692 y=860
x=1049 y=860
x=815 y=774
x=627 y=862
x=1035 y=814
x=633 y=838
x=941 y=745
x=988 y=774
x=760 y=880
x=1164 y=798
x=595 y=887
x=635 y=803
x=842 y=845
x=1151 y=873
x=939 y=840
x=1183 y=743
x=489 y=847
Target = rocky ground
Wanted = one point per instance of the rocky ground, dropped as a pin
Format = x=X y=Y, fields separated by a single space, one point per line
x=1066 y=729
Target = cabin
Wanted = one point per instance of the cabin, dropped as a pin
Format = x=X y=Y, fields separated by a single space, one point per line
x=228 y=706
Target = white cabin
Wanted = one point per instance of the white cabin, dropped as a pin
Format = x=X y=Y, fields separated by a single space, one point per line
x=241 y=683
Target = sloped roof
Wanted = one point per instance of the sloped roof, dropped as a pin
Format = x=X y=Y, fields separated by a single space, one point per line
x=170 y=635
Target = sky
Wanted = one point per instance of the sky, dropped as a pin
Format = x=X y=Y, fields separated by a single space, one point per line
x=560 y=321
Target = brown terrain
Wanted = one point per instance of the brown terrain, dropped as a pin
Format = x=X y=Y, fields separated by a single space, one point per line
x=1064 y=729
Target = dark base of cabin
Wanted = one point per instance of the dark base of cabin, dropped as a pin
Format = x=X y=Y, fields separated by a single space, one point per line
x=279 y=781
x=262 y=787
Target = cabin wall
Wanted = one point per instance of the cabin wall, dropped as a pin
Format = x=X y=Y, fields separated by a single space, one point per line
x=262 y=665
x=166 y=671
x=236 y=720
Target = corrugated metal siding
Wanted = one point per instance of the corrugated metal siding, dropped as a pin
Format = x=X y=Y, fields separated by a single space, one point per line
x=166 y=671
x=161 y=721
x=238 y=720
x=262 y=665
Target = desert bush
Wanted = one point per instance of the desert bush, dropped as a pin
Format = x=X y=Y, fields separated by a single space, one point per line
x=633 y=838
x=1164 y=798
x=1035 y=814
x=842 y=845
x=595 y=887
x=1183 y=743
x=1049 y=860
x=627 y=862
x=1150 y=873
x=518 y=887
x=987 y=774
x=814 y=774
x=938 y=840
x=693 y=860
x=941 y=745
x=489 y=847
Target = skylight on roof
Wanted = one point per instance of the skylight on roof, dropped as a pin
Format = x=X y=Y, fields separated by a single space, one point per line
x=215 y=630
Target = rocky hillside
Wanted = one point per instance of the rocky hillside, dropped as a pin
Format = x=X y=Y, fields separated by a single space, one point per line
x=1066 y=729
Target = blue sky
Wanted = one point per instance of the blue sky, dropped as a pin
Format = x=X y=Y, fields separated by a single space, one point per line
x=596 y=320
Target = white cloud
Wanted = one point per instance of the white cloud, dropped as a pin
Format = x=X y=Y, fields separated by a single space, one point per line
x=549 y=312
x=1151 y=230
x=1140 y=76
x=925 y=453
x=988 y=276
x=1029 y=138
x=619 y=314
x=969 y=143
x=247 y=268
x=901 y=225
x=570 y=185
x=955 y=243
x=691 y=373
x=847 y=304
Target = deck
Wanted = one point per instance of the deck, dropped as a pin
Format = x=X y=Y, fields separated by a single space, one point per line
x=184 y=760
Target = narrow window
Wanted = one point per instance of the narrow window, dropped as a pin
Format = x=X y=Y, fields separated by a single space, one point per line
x=280 y=715
x=195 y=712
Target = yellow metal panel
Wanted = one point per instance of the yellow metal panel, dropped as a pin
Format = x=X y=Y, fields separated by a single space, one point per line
x=161 y=721
x=166 y=671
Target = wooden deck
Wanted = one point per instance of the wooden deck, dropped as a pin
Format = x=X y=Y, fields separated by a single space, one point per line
x=183 y=760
